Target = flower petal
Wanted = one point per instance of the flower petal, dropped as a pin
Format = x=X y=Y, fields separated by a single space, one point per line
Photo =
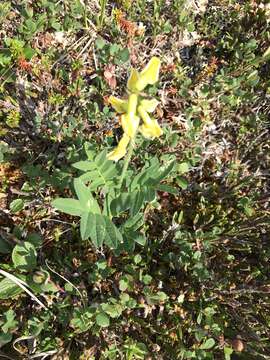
x=150 y=128
x=149 y=75
x=144 y=115
x=151 y=131
x=120 y=150
x=130 y=124
x=149 y=105
x=119 y=105
x=133 y=78
x=132 y=104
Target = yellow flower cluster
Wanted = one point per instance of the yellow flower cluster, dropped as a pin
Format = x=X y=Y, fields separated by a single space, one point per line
x=136 y=108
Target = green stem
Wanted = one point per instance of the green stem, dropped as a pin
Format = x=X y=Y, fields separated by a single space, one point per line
x=102 y=13
x=127 y=161
x=85 y=17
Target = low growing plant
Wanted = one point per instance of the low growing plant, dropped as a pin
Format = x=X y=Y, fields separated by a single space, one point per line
x=110 y=195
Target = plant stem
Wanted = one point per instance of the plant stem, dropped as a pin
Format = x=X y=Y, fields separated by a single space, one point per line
x=127 y=161
x=102 y=13
x=85 y=17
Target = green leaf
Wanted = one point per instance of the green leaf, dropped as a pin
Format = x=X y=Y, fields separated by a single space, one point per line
x=161 y=296
x=266 y=54
x=161 y=175
x=24 y=257
x=93 y=226
x=140 y=239
x=100 y=43
x=29 y=11
x=4 y=61
x=208 y=344
x=31 y=26
x=182 y=182
x=5 y=246
x=10 y=321
x=114 y=48
x=35 y=239
x=228 y=352
x=127 y=246
x=83 y=194
x=183 y=167
x=82 y=319
x=5 y=338
x=120 y=204
x=113 y=310
x=150 y=177
x=137 y=259
x=147 y=279
x=149 y=194
x=123 y=284
x=102 y=173
x=16 y=205
x=84 y=165
x=110 y=196
x=28 y=52
x=86 y=224
x=68 y=206
x=112 y=236
x=4 y=147
x=103 y=320
x=123 y=55
x=136 y=201
x=88 y=203
x=134 y=223
x=155 y=298
x=8 y=289
x=99 y=229
x=145 y=174
x=132 y=237
x=167 y=188
x=100 y=159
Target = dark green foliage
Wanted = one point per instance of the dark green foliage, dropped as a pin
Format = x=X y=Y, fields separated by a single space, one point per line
x=174 y=263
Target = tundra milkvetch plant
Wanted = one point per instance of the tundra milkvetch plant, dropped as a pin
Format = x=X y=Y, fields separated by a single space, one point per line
x=136 y=108
x=106 y=195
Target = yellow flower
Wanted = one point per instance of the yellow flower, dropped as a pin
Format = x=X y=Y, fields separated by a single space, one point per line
x=132 y=104
x=149 y=76
x=152 y=131
x=131 y=110
x=120 y=150
x=130 y=124
x=150 y=128
x=132 y=81
x=119 y=105
x=130 y=121
x=149 y=105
